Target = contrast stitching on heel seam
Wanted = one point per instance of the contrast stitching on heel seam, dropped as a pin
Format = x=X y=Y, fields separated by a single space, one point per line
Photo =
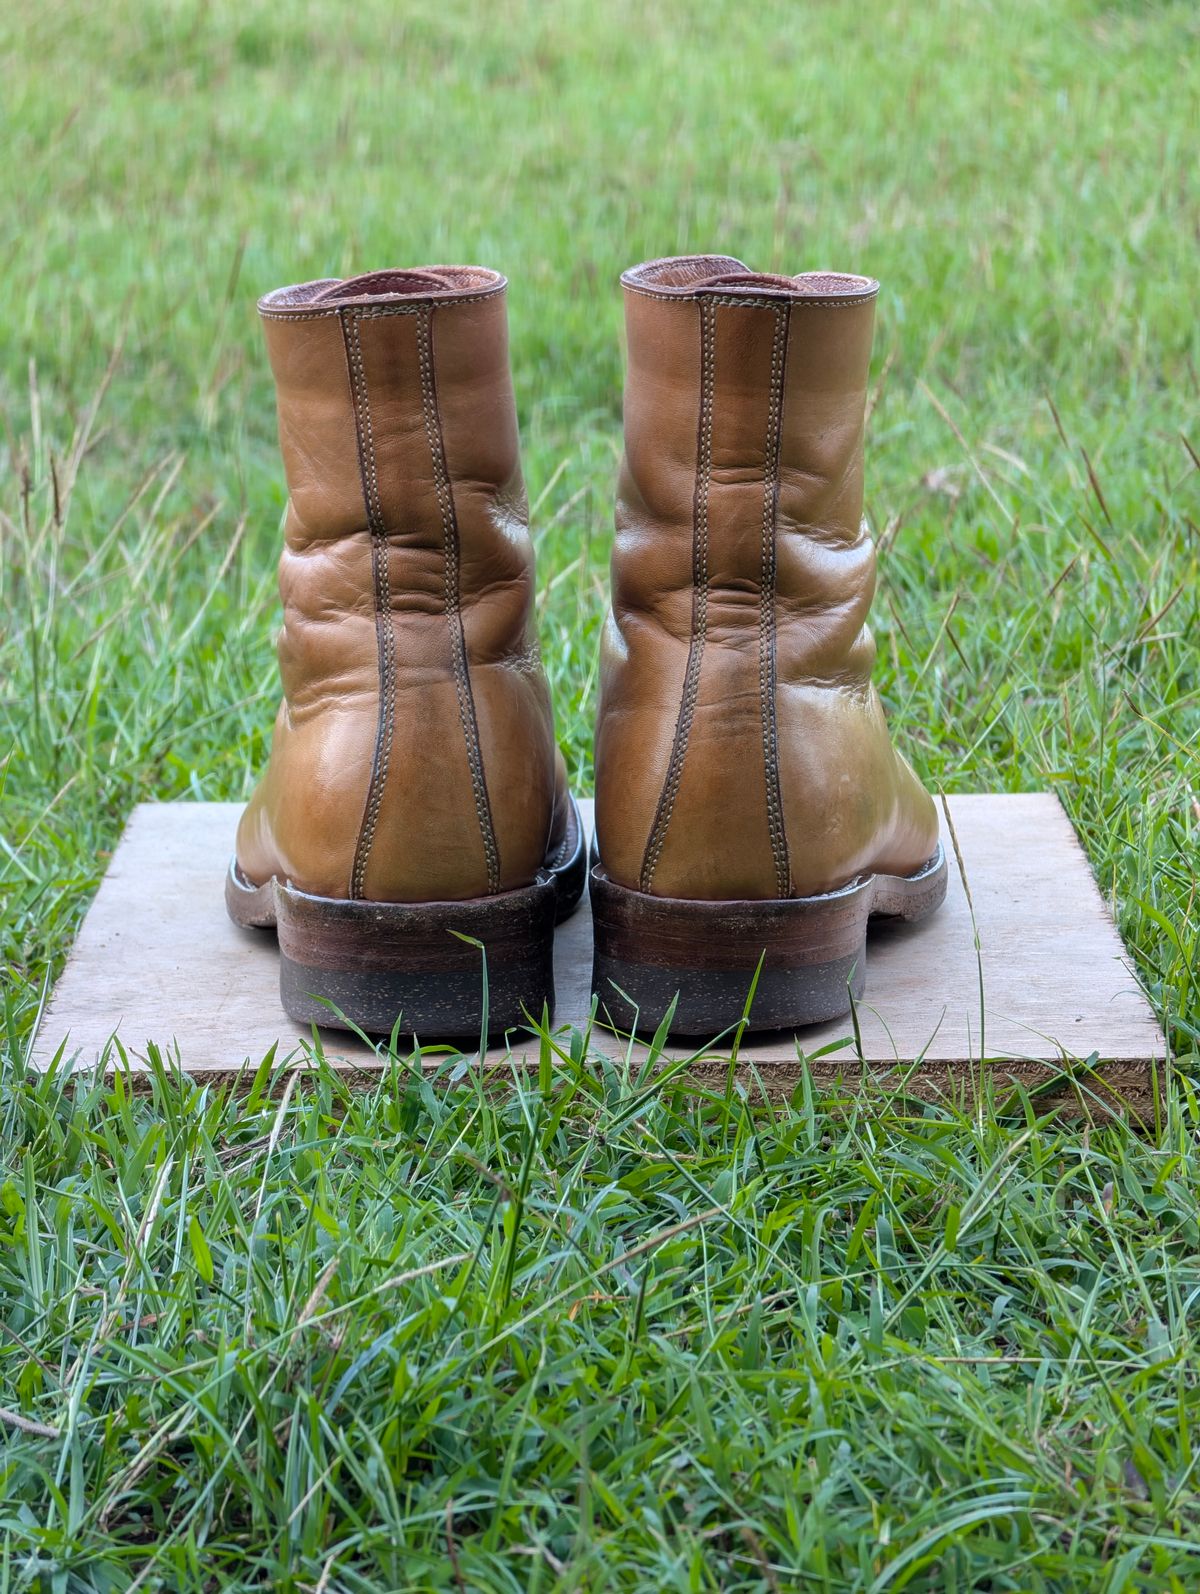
x=381 y=581
x=691 y=679
x=451 y=596
x=767 y=676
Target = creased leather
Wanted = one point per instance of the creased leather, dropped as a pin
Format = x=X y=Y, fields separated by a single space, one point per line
x=414 y=745
x=741 y=747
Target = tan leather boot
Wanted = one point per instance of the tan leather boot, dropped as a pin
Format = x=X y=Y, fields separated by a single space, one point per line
x=748 y=800
x=414 y=793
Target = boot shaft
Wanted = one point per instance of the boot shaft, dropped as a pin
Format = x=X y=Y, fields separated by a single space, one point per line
x=744 y=407
x=395 y=407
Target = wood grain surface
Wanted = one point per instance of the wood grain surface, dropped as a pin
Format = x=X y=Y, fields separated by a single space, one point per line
x=157 y=961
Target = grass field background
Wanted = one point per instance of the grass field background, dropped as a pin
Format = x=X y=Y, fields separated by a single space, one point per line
x=599 y=1334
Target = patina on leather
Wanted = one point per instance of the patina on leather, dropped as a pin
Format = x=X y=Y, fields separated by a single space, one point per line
x=413 y=757
x=741 y=748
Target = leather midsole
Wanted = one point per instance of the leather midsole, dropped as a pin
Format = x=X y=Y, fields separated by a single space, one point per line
x=785 y=932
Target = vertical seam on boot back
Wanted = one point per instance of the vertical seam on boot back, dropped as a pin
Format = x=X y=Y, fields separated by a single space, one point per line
x=451 y=596
x=691 y=679
x=767 y=676
x=381 y=582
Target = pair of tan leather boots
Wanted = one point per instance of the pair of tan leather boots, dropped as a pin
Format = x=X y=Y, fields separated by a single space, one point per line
x=751 y=813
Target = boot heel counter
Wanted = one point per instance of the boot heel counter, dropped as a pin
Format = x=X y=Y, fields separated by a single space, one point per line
x=692 y=825
x=449 y=827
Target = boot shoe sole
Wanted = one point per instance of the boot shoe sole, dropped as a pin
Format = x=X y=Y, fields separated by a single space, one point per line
x=349 y=964
x=651 y=952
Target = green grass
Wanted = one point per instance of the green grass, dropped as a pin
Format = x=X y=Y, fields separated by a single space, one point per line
x=663 y=1341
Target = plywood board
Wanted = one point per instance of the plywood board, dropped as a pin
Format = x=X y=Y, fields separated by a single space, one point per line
x=157 y=961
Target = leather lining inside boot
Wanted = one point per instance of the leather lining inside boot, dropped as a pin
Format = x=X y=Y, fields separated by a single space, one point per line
x=691 y=274
x=391 y=283
x=372 y=284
